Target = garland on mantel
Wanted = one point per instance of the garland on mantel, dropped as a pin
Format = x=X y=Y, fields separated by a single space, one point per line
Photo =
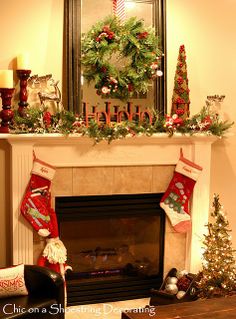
x=41 y=121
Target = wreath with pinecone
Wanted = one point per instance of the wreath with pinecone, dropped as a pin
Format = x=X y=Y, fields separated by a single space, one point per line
x=131 y=46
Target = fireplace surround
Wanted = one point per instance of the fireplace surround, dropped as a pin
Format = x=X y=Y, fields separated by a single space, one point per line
x=76 y=152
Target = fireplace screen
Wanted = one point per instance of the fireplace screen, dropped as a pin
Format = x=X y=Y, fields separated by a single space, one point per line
x=113 y=240
x=113 y=246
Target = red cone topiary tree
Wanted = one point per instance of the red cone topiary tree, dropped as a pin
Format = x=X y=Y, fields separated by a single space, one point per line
x=180 y=98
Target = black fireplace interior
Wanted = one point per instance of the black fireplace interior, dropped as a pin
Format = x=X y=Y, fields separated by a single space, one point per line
x=115 y=245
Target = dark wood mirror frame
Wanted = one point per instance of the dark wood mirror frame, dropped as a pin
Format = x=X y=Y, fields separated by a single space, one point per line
x=71 y=55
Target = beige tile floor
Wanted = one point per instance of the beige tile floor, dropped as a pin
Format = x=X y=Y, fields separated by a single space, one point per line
x=109 y=310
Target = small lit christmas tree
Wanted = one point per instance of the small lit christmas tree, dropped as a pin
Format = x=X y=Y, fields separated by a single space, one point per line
x=218 y=276
x=180 y=97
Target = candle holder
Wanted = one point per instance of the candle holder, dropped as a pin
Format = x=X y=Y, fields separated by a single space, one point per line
x=23 y=75
x=6 y=114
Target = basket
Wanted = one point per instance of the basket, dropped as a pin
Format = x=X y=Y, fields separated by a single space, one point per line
x=161 y=297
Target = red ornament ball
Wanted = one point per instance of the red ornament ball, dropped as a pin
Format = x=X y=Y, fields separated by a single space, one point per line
x=183 y=283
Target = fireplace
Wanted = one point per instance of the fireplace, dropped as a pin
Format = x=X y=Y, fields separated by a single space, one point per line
x=115 y=245
x=85 y=169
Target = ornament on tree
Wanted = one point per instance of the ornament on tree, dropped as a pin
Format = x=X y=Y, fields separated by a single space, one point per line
x=175 y=201
x=218 y=276
x=180 y=98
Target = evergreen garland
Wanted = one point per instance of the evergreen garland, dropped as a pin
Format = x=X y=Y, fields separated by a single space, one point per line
x=41 y=121
x=133 y=45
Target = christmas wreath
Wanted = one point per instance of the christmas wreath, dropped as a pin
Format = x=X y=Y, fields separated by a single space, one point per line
x=133 y=46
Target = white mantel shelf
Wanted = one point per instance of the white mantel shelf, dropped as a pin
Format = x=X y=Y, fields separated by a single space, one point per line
x=77 y=151
x=70 y=137
x=138 y=150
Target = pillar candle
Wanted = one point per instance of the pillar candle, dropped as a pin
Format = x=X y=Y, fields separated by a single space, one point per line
x=6 y=79
x=23 y=62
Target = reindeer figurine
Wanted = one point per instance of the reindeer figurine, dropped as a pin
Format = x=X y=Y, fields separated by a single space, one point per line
x=36 y=81
x=54 y=96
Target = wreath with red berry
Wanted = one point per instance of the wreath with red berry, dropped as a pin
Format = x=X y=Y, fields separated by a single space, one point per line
x=121 y=59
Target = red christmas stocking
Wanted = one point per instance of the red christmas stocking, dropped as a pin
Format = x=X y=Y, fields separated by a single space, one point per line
x=175 y=201
x=36 y=203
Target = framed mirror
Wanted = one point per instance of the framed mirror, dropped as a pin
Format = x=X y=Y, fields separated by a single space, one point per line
x=79 y=17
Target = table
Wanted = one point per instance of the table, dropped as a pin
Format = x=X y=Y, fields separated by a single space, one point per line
x=216 y=308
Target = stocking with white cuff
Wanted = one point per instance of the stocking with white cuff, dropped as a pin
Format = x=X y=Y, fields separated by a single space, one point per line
x=36 y=204
x=175 y=201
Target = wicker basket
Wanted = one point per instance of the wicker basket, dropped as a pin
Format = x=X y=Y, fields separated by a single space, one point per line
x=161 y=297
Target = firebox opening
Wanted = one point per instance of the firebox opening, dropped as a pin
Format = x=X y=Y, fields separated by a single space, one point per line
x=115 y=245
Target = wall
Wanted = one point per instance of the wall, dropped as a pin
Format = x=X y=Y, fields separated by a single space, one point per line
x=206 y=28
x=4 y=204
x=35 y=27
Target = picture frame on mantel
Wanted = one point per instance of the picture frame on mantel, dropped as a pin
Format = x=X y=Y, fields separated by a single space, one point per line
x=72 y=94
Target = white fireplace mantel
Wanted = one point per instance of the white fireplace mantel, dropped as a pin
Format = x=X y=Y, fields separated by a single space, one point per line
x=77 y=151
